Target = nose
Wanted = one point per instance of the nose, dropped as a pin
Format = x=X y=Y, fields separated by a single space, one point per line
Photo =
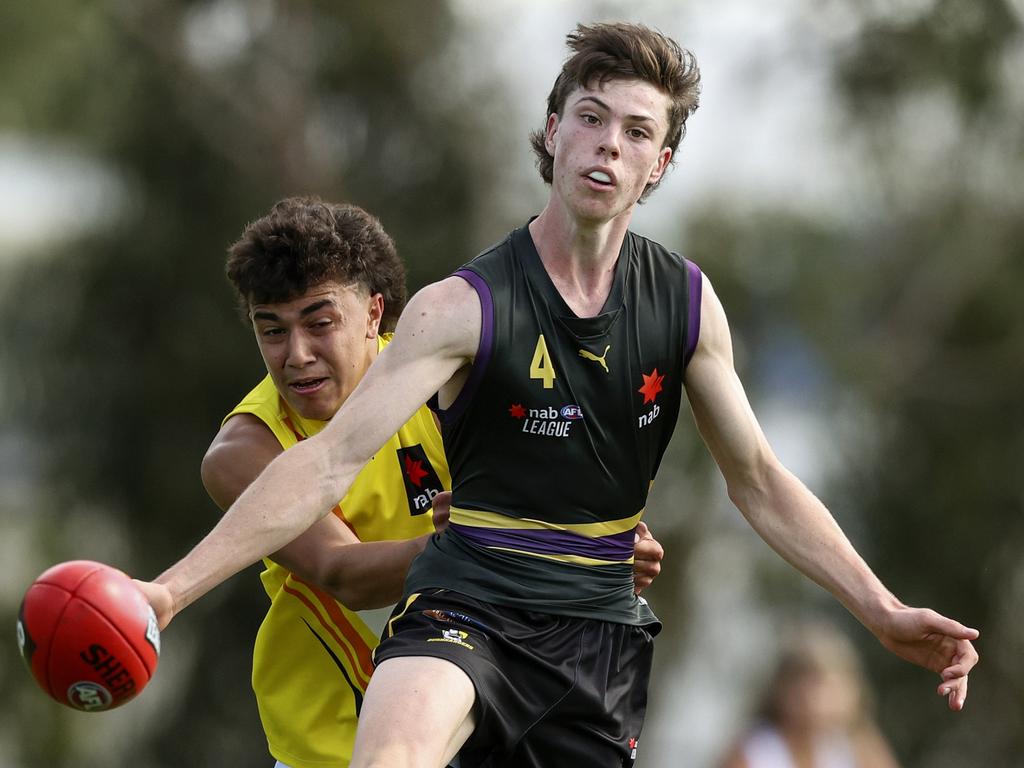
x=609 y=144
x=300 y=351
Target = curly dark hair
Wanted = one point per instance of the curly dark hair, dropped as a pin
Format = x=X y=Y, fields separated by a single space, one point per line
x=305 y=241
x=604 y=52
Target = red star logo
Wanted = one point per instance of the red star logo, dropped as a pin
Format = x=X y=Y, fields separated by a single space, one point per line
x=517 y=411
x=652 y=386
x=414 y=471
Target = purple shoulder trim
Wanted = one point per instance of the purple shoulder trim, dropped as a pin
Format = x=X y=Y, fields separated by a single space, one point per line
x=694 y=283
x=483 y=352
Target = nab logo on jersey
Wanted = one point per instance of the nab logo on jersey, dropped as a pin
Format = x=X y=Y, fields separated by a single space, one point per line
x=421 y=481
x=650 y=390
x=549 y=421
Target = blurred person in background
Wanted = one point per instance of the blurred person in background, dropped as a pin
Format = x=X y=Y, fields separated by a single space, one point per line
x=322 y=286
x=815 y=710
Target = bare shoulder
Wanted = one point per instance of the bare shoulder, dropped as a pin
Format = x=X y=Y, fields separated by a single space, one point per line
x=871 y=748
x=734 y=758
x=237 y=455
x=242 y=434
x=714 y=326
x=713 y=356
x=445 y=316
x=452 y=298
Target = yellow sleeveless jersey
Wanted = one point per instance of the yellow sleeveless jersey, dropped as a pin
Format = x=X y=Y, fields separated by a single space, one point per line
x=311 y=661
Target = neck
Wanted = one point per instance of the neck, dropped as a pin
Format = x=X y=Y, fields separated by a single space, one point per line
x=579 y=256
x=801 y=743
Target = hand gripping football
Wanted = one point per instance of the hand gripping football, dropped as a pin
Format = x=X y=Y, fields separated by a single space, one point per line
x=88 y=635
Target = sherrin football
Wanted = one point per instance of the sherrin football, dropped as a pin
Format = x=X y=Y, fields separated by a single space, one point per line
x=88 y=635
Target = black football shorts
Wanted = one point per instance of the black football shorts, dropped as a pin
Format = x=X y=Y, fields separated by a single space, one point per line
x=551 y=691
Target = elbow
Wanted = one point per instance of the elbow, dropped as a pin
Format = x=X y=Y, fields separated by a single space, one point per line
x=357 y=597
x=341 y=585
x=744 y=499
x=355 y=592
x=352 y=597
x=750 y=486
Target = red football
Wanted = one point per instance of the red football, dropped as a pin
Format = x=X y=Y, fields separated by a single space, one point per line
x=88 y=635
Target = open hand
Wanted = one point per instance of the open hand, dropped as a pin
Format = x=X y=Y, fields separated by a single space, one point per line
x=942 y=645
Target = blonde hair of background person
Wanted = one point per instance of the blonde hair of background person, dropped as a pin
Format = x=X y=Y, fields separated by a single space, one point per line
x=815 y=711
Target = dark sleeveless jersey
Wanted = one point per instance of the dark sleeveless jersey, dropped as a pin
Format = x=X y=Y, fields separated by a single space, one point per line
x=559 y=430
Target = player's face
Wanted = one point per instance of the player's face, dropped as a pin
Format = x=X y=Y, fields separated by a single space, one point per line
x=607 y=146
x=318 y=346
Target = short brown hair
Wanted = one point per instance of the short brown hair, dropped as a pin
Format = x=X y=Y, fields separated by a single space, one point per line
x=305 y=241
x=604 y=52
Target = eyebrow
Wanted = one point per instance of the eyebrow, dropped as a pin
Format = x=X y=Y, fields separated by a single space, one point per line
x=607 y=108
x=264 y=314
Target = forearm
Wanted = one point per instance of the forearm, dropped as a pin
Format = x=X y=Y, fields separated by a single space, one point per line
x=800 y=529
x=369 y=574
x=278 y=506
x=794 y=523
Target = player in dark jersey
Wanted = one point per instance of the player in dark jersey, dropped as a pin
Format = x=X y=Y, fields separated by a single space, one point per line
x=549 y=474
x=322 y=287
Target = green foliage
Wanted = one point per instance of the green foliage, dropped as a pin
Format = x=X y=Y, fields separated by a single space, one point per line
x=943 y=491
x=124 y=351
x=910 y=313
x=957 y=44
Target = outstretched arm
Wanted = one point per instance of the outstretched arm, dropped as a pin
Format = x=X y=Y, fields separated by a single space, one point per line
x=328 y=554
x=436 y=336
x=798 y=526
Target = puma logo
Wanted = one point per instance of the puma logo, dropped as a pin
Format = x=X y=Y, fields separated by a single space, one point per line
x=587 y=355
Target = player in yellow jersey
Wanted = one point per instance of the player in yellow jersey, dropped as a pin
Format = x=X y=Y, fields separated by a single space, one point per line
x=321 y=284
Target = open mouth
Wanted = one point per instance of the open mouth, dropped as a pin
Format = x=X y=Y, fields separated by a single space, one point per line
x=600 y=178
x=306 y=386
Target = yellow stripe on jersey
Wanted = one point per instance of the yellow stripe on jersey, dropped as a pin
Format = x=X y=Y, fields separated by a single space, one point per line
x=409 y=601
x=574 y=559
x=476 y=518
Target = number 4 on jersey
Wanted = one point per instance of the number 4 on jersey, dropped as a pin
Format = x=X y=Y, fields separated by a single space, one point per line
x=541 y=366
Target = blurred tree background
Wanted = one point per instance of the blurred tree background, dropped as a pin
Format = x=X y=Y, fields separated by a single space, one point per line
x=882 y=330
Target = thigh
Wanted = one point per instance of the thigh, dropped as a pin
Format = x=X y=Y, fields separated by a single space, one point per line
x=416 y=714
x=551 y=691
x=598 y=722
x=520 y=663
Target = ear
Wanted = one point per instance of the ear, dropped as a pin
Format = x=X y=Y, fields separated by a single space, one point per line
x=659 y=169
x=549 y=133
x=374 y=313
